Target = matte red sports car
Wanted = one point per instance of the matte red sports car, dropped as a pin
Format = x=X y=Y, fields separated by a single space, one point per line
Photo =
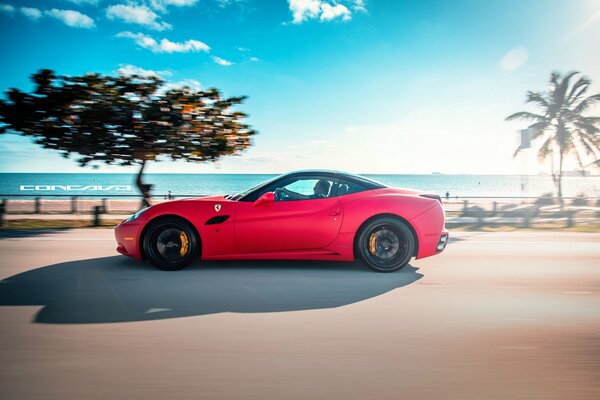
x=303 y=215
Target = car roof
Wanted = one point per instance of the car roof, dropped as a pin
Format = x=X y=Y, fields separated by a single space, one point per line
x=336 y=174
x=319 y=171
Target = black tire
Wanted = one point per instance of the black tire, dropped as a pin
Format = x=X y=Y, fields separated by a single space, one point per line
x=385 y=244
x=164 y=244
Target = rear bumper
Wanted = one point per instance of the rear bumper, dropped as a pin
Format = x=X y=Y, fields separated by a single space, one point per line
x=432 y=235
x=443 y=241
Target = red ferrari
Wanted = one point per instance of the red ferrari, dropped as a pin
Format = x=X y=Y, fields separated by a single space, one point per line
x=303 y=215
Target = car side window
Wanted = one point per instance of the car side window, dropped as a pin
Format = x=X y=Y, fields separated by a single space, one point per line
x=306 y=188
x=299 y=187
x=349 y=187
x=303 y=186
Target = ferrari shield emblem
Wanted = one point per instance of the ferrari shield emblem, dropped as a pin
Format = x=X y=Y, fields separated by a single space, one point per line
x=217 y=207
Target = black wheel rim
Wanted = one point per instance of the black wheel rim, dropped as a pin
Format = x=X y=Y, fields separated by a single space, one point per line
x=385 y=246
x=170 y=244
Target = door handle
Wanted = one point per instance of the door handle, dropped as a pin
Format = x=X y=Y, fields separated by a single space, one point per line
x=335 y=212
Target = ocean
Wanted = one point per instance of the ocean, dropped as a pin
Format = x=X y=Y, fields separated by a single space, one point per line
x=40 y=184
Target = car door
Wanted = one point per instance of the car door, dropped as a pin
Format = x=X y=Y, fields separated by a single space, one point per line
x=288 y=225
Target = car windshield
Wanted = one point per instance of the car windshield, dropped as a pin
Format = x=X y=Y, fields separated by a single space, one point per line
x=252 y=189
x=367 y=182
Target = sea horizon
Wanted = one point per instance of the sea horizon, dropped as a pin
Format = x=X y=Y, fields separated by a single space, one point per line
x=28 y=184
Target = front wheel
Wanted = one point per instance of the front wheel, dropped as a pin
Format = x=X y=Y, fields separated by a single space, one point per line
x=386 y=244
x=171 y=244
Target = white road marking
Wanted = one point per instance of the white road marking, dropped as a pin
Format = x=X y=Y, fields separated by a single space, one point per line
x=155 y=310
x=521 y=319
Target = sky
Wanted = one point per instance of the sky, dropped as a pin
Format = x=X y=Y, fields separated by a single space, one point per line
x=366 y=86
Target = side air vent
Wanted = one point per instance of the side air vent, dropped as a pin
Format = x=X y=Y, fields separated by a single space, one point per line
x=219 y=219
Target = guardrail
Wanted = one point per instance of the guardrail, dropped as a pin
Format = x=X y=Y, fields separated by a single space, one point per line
x=523 y=211
x=96 y=205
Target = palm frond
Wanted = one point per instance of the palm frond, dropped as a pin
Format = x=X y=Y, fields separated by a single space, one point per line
x=587 y=103
x=595 y=163
x=578 y=89
x=589 y=145
x=539 y=128
x=537 y=98
x=546 y=148
x=559 y=93
x=517 y=151
x=587 y=127
x=525 y=115
x=558 y=124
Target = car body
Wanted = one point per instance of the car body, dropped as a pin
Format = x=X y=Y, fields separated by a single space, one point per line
x=264 y=222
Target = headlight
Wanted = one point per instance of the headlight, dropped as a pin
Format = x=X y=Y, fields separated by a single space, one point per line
x=137 y=214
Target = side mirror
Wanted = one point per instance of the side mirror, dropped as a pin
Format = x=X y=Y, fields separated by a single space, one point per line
x=266 y=198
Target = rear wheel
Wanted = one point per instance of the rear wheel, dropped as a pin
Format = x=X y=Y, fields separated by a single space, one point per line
x=386 y=244
x=171 y=244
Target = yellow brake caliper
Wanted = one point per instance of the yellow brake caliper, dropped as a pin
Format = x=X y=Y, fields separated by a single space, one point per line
x=372 y=243
x=184 y=244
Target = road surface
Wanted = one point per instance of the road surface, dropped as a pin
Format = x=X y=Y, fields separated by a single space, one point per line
x=511 y=315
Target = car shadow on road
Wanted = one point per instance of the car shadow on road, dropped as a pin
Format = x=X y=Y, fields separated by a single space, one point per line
x=119 y=289
x=25 y=233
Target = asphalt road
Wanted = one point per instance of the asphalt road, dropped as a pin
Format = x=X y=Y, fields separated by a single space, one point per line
x=497 y=316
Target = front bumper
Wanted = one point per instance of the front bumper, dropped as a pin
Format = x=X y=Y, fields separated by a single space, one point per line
x=127 y=235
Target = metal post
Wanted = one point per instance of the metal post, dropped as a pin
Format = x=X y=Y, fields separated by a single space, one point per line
x=97 y=211
x=104 y=205
x=570 y=214
x=465 y=207
x=480 y=214
x=526 y=221
x=2 y=211
x=494 y=209
x=74 y=205
x=38 y=205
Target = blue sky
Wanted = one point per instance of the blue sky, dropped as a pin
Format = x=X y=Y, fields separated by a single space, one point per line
x=365 y=86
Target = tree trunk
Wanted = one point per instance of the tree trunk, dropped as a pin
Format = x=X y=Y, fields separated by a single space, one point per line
x=559 y=181
x=143 y=188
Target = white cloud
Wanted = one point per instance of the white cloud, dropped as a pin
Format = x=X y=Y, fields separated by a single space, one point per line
x=329 y=12
x=254 y=59
x=359 y=5
x=71 y=18
x=80 y=2
x=162 y=5
x=7 y=9
x=303 y=10
x=243 y=49
x=165 y=45
x=222 y=61
x=129 y=70
x=514 y=59
x=32 y=13
x=193 y=84
x=137 y=14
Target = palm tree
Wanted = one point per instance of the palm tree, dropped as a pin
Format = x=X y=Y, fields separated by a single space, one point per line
x=561 y=126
